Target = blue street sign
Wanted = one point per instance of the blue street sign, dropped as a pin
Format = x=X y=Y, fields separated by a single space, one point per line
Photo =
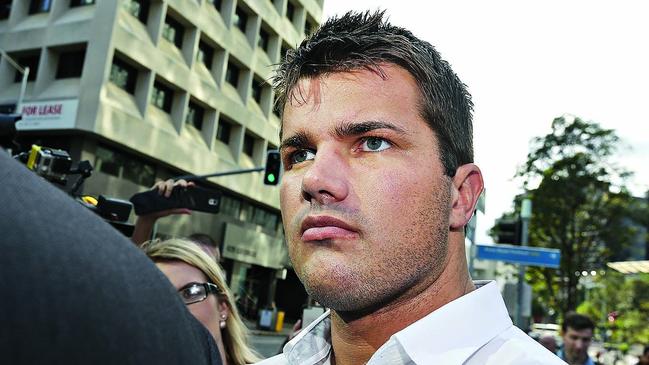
x=530 y=256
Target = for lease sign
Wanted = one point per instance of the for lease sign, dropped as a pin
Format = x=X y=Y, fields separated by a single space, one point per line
x=53 y=114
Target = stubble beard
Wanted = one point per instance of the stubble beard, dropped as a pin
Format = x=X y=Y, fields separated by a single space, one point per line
x=388 y=271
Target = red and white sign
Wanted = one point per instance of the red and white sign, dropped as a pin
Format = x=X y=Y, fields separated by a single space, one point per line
x=55 y=114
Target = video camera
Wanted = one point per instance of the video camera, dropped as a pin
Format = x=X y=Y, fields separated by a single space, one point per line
x=55 y=166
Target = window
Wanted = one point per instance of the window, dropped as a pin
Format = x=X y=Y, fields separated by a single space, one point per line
x=173 y=32
x=123 y=75
x=264 y=38
x=248 y=144
x=5 y=8
x=232 y=74
x=290 y=11
x=309 y=27
x=284 y=50
x=74 y=3
x=28 y=60
x=223 y=131
x=123 y=165
x=137 y=8
x=265 y=219
x=256 y=90
x=39 y=6
x=240 y=19
x=276 y=108
x=247 y=212
x=195 y=115
x=230 y=206
x=205 y=54
x=162 y=96
x=70 y=64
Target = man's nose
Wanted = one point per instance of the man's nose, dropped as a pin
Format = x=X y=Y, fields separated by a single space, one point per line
x=326 y=178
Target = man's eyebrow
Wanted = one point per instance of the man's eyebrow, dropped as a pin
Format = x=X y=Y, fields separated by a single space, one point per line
x=298 y=141
x=350 y=129
x=302 y=139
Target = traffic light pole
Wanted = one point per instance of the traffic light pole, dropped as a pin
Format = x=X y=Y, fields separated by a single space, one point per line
x=526 y=214
x=225 y=173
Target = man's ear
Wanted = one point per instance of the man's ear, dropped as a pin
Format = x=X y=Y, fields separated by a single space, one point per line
x=466 y=187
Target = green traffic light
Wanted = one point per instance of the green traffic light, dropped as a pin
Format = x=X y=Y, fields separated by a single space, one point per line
x=271 y=178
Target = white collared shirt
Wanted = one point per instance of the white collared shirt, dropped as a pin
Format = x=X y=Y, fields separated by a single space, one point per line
x=473 y=329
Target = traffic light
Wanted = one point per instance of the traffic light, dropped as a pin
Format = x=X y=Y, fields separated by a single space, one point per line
x=273 y=167
x=508 y=231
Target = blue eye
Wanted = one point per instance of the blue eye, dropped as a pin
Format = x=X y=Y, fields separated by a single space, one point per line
x=375 y=144
x=301 y=156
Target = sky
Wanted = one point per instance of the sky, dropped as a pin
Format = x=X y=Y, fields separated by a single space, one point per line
x=526 y=63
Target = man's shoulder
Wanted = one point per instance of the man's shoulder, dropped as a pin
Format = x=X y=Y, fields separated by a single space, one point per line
x=275 y=360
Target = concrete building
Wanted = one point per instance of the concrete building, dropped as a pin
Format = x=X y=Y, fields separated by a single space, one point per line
x=150 y=89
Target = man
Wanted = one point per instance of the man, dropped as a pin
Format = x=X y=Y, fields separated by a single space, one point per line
x=577 y=333
x=378 y=185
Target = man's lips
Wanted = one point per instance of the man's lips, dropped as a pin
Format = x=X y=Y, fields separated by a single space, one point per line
x=318 y=228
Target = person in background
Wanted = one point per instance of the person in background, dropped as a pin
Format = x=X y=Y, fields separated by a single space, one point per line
x=144 y=224
x=201 y=284
x=577 y=332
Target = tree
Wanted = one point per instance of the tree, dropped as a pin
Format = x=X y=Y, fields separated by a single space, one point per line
x=627 y=297
x=579 y=205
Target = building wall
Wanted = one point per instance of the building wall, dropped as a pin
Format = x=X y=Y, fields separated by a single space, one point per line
x=111 y=120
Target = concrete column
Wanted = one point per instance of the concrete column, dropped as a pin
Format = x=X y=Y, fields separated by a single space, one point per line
x=274 y=47
x=220 y=66
x=46 y=70
x=143 y=90
x=300 y=18
x=190 y=45
x=266 y=102
x=179 y=108
x=227 y=11
x=209 y=127
x=244 y=87
x=236 y=140
x=157 y=14
x=252 y=29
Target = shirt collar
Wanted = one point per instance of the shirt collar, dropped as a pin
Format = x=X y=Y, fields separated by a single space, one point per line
x=312 y=344
x=452 y=333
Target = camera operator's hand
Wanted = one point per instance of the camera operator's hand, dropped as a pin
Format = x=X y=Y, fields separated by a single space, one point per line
x=144 y=223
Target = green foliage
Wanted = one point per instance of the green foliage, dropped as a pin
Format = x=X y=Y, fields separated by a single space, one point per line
x=579 y=206
x=629 y=297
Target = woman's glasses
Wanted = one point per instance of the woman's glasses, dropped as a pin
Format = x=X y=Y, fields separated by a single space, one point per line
x=197 y=292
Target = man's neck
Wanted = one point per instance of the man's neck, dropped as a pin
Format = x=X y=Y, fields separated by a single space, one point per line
x=577 y=360
x=355 y=341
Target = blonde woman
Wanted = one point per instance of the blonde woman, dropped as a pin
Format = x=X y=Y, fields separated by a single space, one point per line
x=200 y=283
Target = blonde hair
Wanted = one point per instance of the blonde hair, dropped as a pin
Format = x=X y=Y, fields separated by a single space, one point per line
x=235 y=335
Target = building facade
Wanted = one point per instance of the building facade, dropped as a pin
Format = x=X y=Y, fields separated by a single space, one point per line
x=150 y=89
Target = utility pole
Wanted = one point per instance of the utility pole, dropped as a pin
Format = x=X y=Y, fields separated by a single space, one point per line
x=23 y=86
x=526 y=214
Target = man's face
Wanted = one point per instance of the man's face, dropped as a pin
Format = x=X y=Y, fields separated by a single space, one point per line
x=364 y=200
x=576 y=343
